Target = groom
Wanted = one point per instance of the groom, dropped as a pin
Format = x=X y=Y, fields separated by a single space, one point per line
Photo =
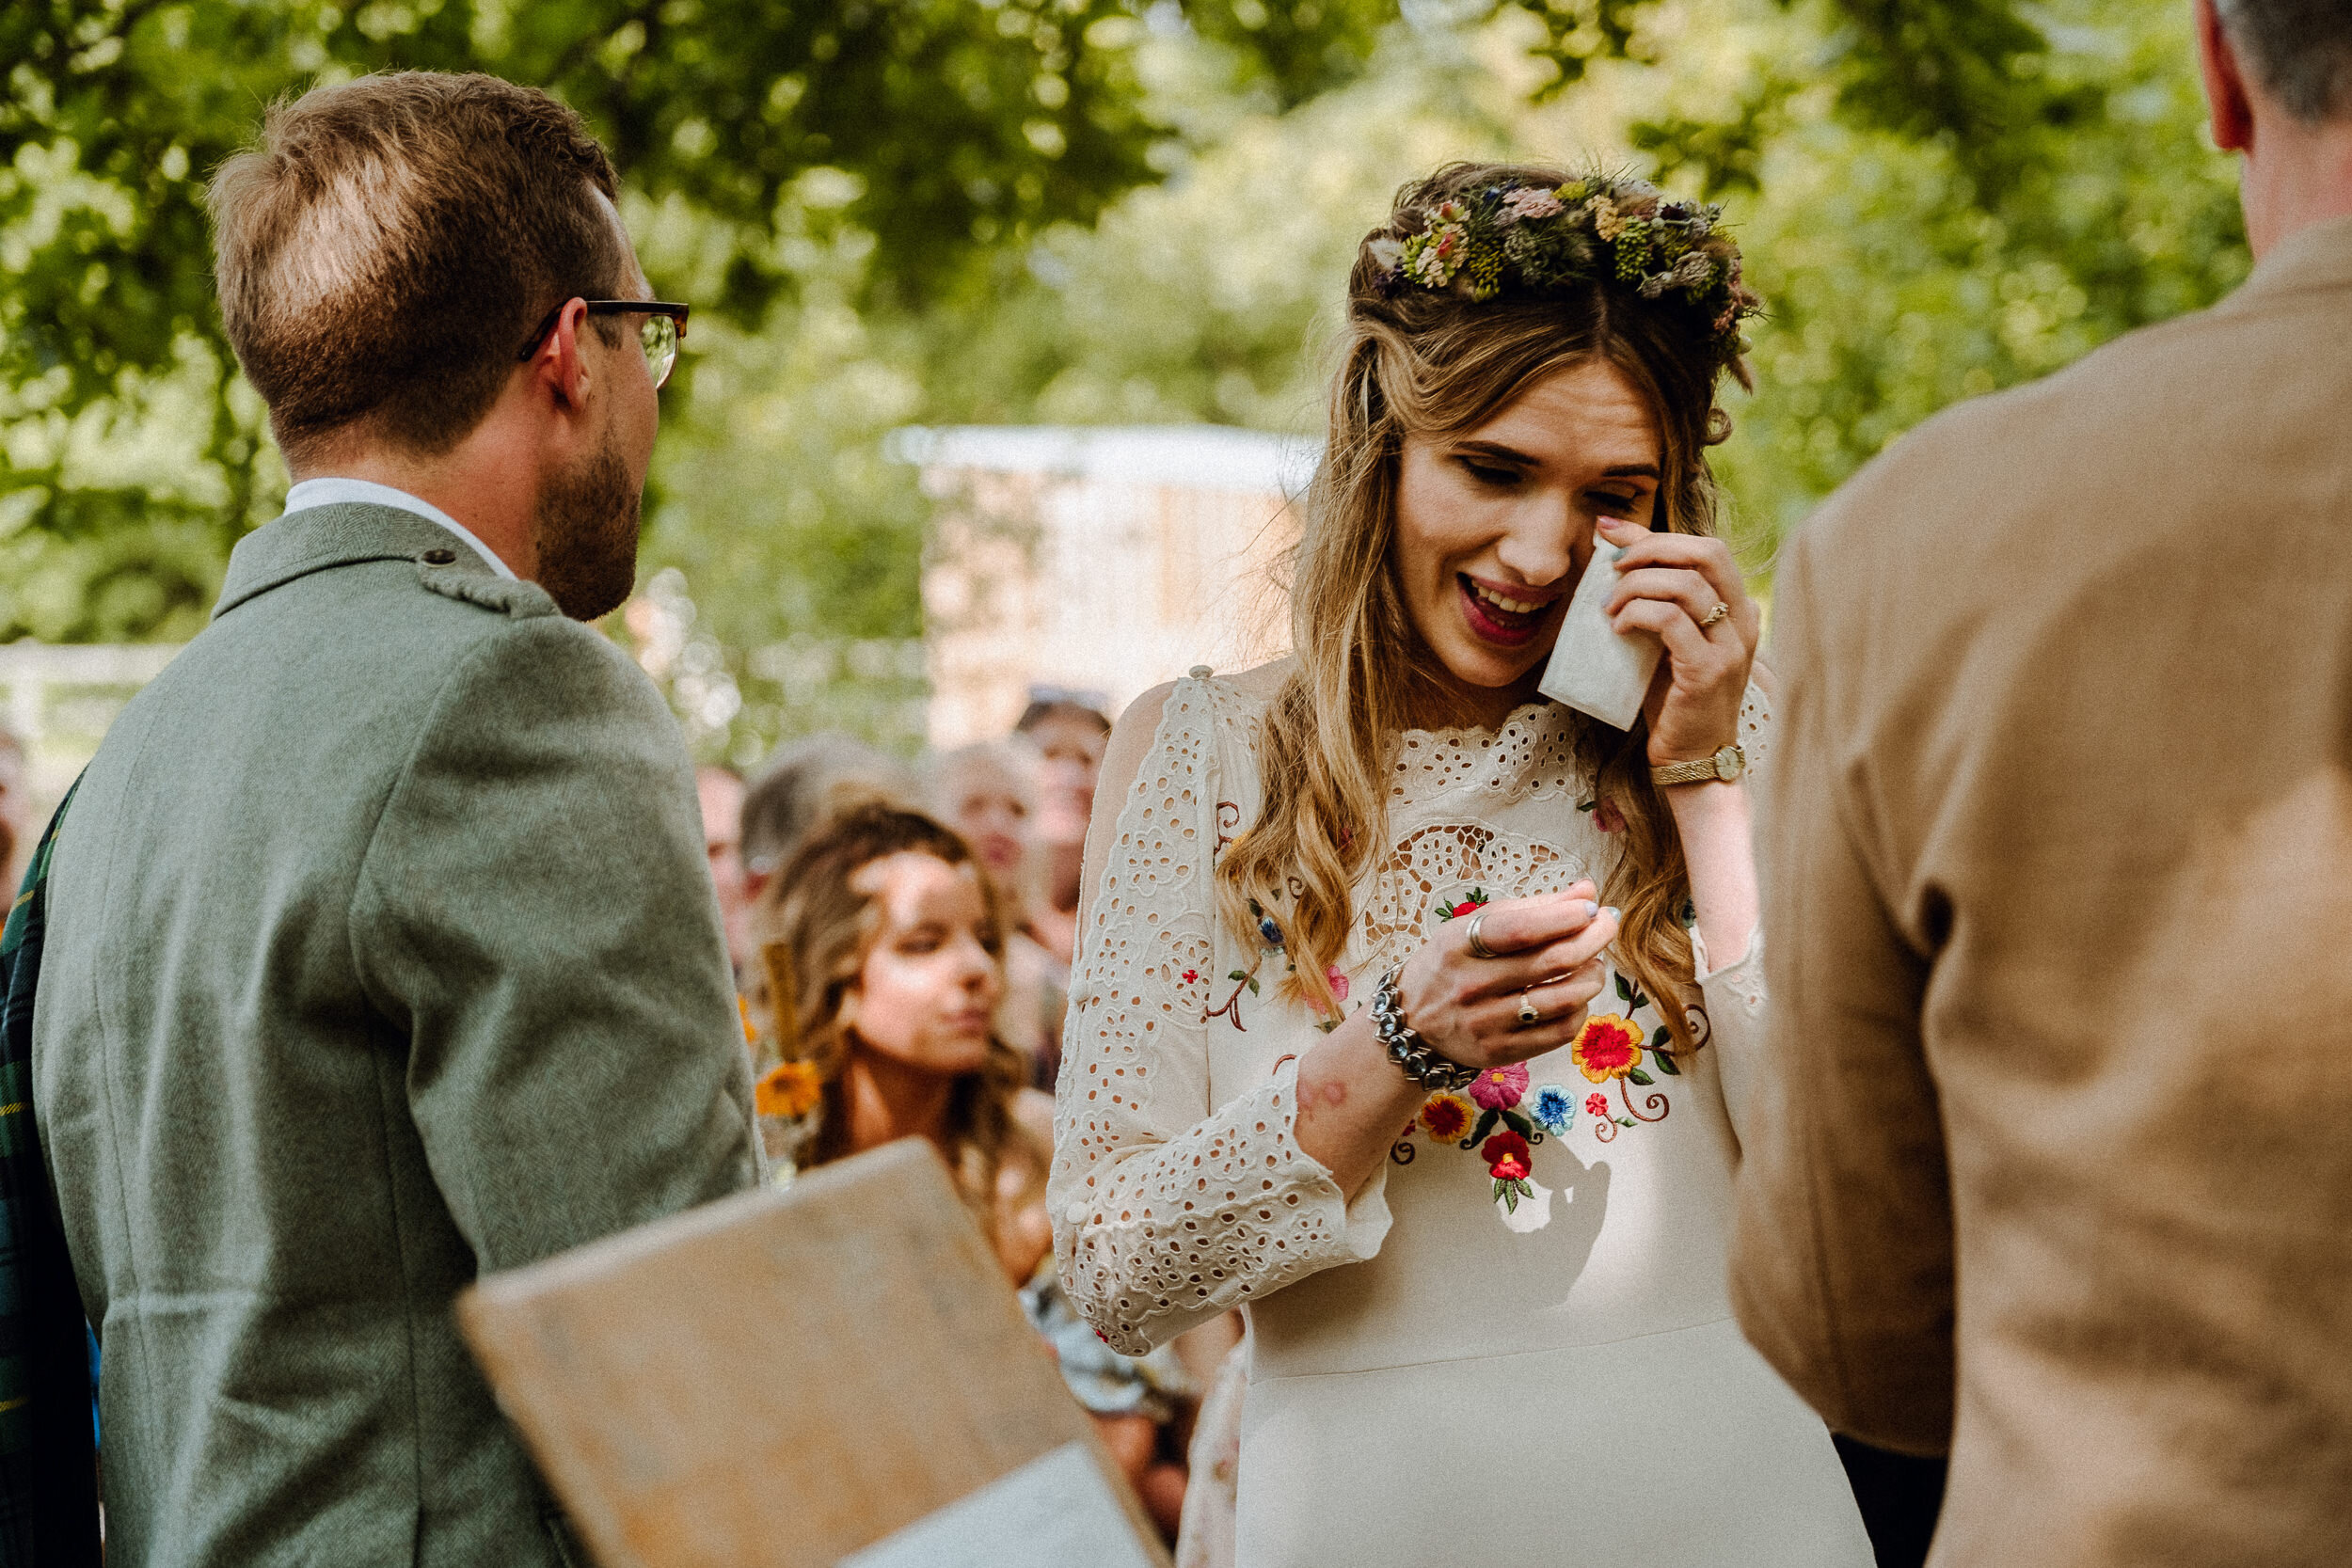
x=381 y=952
x=2055 y=1162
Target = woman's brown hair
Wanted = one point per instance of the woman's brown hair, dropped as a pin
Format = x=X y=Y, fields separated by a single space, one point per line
x=815 y=929
x=1416 y=361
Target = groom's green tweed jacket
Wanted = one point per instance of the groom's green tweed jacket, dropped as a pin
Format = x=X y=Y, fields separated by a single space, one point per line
x=382 y=952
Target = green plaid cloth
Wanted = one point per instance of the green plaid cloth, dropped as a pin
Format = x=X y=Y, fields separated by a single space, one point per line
x=48 y=1441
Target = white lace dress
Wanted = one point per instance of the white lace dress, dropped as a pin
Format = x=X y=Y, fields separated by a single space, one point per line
x=1452 y=1368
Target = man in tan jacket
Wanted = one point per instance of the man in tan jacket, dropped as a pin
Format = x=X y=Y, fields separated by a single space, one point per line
x=2054 y=1169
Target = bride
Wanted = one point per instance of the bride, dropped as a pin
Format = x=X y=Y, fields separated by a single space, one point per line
x=1414 y=1013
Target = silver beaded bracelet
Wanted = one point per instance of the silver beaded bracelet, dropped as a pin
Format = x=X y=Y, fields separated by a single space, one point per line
x=1418 y=1059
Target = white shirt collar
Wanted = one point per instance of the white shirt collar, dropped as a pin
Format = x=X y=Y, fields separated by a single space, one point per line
x=336 y=492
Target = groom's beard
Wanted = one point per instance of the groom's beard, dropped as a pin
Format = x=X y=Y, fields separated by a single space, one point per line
x=586 y=528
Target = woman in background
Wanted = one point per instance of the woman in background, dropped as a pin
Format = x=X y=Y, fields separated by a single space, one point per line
x=879 y=946
x=987 y=793
x=1069 y=734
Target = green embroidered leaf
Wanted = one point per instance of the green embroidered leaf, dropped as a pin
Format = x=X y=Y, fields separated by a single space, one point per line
x=1507 y=1192
x=1518 y=1124
x=1622 y=1121
x=1659 y=1041
x=1664 y=1064
x=1238 y=975
x=1644 y=1079
x=1253 y=984
x=1625 y=990
x=1486 y=1125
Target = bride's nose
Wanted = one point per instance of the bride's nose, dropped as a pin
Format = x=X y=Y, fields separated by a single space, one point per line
x=1541 y=546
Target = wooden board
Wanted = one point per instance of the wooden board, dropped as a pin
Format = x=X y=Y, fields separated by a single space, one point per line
x=781 y=1378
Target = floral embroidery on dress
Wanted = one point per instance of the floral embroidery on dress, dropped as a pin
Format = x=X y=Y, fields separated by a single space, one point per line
x=1503 y=1114
x=1455 y=911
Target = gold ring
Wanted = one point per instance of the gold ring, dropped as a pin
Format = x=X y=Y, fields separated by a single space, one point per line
x=1478 y=948
x=1715 y=614
x=1529 y=1017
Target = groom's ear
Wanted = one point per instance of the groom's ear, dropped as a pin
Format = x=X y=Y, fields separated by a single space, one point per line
x=2229 y=106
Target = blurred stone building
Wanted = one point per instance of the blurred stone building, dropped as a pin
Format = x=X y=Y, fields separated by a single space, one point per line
x=1097 y=560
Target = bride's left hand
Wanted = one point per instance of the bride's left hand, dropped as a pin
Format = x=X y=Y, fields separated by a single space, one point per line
x=1668 y=584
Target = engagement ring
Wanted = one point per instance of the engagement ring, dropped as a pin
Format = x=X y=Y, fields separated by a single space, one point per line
x=1527 y=1015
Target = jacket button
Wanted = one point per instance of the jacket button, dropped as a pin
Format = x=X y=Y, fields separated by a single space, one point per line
x=439 y=557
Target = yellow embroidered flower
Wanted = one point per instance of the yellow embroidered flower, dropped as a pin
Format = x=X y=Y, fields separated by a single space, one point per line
x=1609 y=1047
x=789 y=1089
x=1447 y=1117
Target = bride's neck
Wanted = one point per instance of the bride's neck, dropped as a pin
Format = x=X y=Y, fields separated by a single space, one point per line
x=1438 y=699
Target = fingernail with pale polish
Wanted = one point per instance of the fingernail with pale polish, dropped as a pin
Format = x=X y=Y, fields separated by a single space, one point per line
x=1614 y=912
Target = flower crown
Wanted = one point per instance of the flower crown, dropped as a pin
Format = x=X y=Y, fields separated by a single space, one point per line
x=1535 y=239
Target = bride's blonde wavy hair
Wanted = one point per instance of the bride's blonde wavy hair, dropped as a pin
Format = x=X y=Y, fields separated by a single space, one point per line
x=1429 y=363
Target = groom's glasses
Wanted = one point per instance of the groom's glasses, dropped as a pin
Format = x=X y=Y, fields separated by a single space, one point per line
x=659 y=334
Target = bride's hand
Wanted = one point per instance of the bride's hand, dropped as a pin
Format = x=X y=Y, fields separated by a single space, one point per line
x=1668 y=585
x=1548 y=949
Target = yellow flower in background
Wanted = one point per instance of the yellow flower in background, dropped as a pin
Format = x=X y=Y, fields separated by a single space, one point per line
x=789 y=1089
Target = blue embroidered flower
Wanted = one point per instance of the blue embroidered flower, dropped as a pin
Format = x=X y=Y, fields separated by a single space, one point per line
x=1268 y=929
x=1553 y=1107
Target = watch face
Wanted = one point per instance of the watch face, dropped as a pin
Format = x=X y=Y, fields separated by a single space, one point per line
x=1727 y=761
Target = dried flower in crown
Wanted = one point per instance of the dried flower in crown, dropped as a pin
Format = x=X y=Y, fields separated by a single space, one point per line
x=1531 y=239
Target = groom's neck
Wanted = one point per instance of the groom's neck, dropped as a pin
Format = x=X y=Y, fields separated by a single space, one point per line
x=2296 y=174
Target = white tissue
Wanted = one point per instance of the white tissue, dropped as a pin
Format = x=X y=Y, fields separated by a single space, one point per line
x=1594 y=670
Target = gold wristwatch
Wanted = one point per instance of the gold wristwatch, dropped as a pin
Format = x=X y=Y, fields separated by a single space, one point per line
x=1727 y=764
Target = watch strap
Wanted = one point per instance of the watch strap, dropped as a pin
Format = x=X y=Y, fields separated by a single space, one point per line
x=1705 y=770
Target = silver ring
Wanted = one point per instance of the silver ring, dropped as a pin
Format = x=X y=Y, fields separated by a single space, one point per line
x=1529 y=1017
x=1715 y=614
x=1478 y=948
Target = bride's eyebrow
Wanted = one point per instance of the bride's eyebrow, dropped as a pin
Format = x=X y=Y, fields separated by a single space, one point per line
x=1496 y=450
x=1631 y=470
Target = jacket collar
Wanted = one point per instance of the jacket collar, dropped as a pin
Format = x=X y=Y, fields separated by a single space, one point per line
x=322 y=537
x=2315 y=257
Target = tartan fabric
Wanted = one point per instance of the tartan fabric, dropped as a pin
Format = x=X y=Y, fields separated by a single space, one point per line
x=48 y=1444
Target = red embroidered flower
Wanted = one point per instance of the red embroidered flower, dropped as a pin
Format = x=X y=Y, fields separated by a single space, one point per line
x=1498 y=1088
x=1596 y=1105
x=1610 y=1047
x=1337 y=978
x=1607 y=818
x=1447 y=1116
x=1505 y=1154
x=1191 y=976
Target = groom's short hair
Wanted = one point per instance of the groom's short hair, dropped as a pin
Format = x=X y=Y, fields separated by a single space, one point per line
x=2301 y=52
x=384 y=245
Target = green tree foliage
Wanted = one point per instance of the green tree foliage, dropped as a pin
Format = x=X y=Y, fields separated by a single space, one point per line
x=1082 y=210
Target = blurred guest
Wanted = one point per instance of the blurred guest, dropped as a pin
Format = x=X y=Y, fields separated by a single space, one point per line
x=720 y=793
x=16 y=828
x=881 y=948
x=1069 y=730
x=801 y=784
x=987 y=793
x=378 y=953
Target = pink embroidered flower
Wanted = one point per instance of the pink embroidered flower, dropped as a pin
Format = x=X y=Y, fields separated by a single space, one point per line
x=1596 y=1105
x=1337 y=978
x=1607 y=818
x=1505 y=1154
x=1610 y=1047
x=1498 y=1088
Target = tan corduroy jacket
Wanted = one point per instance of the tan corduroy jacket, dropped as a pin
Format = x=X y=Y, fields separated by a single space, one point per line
x=2054 y=1163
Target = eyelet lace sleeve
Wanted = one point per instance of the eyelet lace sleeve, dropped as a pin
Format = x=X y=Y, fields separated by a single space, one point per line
x=1166 y=1208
